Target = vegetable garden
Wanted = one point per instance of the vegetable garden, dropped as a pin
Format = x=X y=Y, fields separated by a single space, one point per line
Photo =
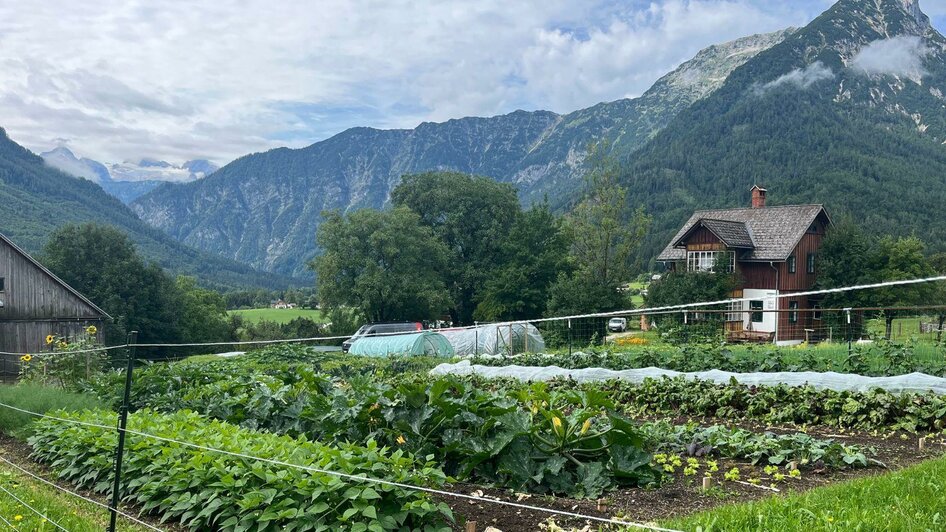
x=292 y=438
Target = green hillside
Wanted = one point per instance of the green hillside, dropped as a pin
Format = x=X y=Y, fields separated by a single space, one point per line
x=38 y=199
x=803 y=120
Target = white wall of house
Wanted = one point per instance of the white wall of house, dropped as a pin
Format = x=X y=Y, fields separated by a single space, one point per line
x=767 y=300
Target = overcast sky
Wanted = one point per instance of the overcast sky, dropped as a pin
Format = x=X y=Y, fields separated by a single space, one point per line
x=121 y=80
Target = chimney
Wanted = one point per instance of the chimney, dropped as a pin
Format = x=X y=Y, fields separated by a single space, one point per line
x=758 y=197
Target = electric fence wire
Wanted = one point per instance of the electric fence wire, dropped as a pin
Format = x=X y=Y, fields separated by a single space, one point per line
x=78 y=352
x=83 y=497
x=358 y=478
x=34 y=510
x=627 y=312
x=616 y=313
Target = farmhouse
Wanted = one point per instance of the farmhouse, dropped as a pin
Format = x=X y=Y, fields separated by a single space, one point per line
x=772 y=250
x=35 y=303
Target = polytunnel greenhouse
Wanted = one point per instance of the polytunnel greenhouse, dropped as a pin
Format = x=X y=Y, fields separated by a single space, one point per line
x=423 y=343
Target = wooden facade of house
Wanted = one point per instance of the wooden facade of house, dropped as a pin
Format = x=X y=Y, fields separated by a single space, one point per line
x=773 y=253
x=34 y=303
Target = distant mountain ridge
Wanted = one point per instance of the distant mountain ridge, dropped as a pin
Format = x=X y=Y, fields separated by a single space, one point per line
x=128 y=180
x=37 y=199
x=849 y=111
x=263 y=209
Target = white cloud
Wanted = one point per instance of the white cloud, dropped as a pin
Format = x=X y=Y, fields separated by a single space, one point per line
x=898 y=56
x=800 y=78
x=126 y=79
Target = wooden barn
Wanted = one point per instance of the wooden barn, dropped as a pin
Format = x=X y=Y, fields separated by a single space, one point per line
x=772 y=250
x=35 y=303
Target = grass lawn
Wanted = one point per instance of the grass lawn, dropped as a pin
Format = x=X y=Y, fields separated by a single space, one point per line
x=69 y=511
x=278 y=315
x=910 y=499
x=904 y=329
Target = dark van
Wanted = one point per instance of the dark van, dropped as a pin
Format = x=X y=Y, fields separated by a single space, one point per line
x=371 y=329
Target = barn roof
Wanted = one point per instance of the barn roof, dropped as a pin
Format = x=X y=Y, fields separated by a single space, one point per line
x=773 y=231
x=59 y=281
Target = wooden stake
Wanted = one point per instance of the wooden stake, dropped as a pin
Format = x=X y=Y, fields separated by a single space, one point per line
x=922 y=443
x=470 y=526
x=707 y=483
x=602 y=505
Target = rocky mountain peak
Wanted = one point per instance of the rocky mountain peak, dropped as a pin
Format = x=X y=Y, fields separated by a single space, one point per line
x=912 y=7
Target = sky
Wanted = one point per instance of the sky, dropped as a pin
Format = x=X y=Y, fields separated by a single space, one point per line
x=118 y=80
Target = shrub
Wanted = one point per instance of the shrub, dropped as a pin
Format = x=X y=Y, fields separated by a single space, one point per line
x=206 y=490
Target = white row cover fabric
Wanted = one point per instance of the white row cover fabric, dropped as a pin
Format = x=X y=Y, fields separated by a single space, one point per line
x=495 y=339
x=912 y=382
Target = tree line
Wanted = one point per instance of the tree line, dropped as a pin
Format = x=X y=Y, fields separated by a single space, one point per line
x=460 y=248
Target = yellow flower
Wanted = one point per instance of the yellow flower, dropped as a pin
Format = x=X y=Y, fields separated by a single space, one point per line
x=585 y=426
x=61 y=344
x=17 y=517
x=557 y=425
x=401 y=440
x=26 y=358
x=91 y=330
x=50 y=339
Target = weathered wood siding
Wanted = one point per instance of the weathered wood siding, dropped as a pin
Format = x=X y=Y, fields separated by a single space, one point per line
x=703 y=239
x=756 y=275
x=35 y=305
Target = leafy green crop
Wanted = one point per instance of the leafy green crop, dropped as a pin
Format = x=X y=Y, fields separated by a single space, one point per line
x=782 y=404
x=765 y=448
x=508 y=438
x=212 y=491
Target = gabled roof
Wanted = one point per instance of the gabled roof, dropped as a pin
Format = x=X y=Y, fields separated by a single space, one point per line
x=55 y=278
x=774 y=231
x=733 y=234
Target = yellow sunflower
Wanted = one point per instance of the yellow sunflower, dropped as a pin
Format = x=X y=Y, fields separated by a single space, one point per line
x=26 y=358
x=50 y=339
x=91 y=330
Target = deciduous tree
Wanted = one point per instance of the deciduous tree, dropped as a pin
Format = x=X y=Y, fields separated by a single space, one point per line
x=384 y=263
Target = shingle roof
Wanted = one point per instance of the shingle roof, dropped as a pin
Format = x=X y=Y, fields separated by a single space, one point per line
x=774 y=231
x=733 y=234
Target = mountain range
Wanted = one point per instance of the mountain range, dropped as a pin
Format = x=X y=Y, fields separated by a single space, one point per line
x=127 y=180
x=849 y=111
x=263 y=209
x=37 y=199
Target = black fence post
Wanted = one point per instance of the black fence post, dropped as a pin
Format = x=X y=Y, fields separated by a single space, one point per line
x=122 y=425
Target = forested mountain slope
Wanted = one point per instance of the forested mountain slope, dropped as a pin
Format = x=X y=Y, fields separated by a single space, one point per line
x=263 y=209
x=848 y=111
x=37 y=199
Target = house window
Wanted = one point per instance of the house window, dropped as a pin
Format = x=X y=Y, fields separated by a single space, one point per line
x=810 y=263
x=705 y=261
x=793 y=312
x=816 y=315
x=1 y=284
x=734 y=313
x=791 y=264
x=756 y=308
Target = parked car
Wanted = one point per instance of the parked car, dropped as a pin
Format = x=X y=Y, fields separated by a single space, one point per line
x=372 y=329
x=617 y=324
